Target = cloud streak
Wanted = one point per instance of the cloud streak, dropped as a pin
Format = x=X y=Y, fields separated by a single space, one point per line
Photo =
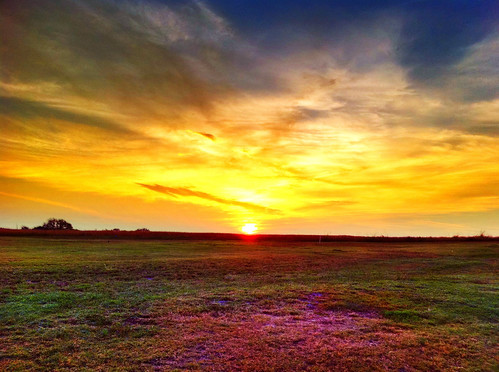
x=183 y=191
x=27 y=109
x=207 y=135
x=90 y=212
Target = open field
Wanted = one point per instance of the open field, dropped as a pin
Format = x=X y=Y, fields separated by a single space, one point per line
x=81 y=304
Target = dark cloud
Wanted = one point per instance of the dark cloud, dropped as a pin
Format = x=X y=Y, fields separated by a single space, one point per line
x=490 y=129
x=207 y=135
x=183 y=191
x=138 y=58
x=312 y=114
x=23 y=108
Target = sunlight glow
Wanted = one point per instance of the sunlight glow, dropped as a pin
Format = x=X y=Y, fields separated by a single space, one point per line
x=249 y=228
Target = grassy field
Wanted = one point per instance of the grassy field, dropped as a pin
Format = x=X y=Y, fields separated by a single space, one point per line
x=68 y=304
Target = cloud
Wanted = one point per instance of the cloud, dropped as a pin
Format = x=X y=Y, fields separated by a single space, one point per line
x=476 y=77
x=146 y=60
x=27 y=109
x=430 y=38
x=54 y=203
x=328 y=205
x=207 y=135
x=182 y=191
x=438 y=34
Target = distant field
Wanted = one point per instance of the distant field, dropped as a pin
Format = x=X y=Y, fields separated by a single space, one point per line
x=80 y=304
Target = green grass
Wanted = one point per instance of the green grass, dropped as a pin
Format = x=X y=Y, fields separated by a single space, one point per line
x=235 y=305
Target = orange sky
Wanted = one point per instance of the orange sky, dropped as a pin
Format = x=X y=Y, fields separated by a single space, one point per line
x=170 y=118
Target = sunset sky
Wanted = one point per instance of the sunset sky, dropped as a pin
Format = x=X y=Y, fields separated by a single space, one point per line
x=324 y=117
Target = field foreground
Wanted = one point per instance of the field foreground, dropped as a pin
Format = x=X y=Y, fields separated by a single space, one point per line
x=69 y=304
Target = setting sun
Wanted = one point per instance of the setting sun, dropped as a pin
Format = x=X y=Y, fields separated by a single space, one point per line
x=249 y=228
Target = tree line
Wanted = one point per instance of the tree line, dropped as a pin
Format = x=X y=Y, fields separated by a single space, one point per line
x=52 y=224
x=60 y=224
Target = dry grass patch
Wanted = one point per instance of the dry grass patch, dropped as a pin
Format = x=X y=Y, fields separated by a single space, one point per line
x=298 y=335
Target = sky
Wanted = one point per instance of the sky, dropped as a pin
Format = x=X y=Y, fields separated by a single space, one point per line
x=300 y=117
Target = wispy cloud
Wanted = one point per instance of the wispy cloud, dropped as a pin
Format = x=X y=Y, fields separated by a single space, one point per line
x=207 y=135
x=55 y=203
x=183 y=191
x=27 y=109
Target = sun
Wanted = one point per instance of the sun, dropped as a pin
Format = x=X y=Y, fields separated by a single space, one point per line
x=249 y=228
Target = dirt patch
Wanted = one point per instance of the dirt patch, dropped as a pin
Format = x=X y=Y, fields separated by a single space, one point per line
x=294 y=334
x=291 y=336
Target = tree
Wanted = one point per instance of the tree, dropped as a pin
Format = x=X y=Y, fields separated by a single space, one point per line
x=55 y=224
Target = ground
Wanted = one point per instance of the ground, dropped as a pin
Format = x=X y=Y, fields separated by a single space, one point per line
x=83 y=304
